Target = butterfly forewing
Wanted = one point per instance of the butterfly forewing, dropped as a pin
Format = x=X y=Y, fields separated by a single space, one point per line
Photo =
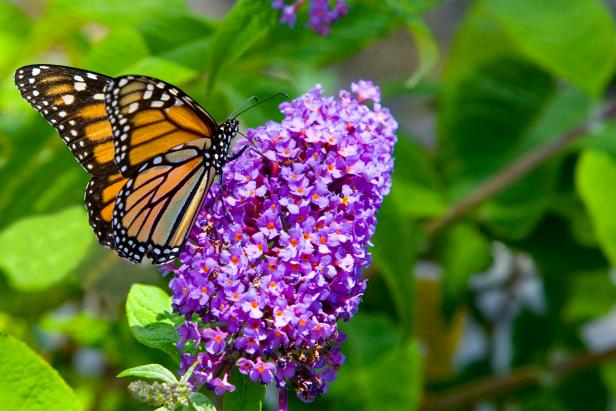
x=73 y=101
x=157 y=207
x=149 y=117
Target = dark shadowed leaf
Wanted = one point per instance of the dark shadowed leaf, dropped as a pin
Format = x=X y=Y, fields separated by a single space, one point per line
x=381 y=370
x=465 y=252
x=248 y=395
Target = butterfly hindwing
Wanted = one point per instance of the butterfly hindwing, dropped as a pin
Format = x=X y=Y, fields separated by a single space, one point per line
x=149 y=117
x=156 y=208
x=100 y=199
x=73 y=101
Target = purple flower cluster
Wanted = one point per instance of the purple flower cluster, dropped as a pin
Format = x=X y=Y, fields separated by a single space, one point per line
x=275 y=257
x=322 y=14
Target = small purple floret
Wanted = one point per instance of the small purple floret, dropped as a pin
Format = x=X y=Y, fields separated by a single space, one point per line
x=265 y=279
x=322 y=13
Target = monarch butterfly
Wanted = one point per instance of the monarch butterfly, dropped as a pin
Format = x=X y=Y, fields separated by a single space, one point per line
x=152 y=151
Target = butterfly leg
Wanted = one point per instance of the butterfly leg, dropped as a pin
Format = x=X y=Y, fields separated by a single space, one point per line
x=234 y=156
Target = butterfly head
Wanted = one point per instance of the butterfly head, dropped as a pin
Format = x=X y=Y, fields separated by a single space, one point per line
x=228 y=130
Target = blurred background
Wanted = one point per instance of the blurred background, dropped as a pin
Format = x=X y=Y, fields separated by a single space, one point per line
x=492 y=286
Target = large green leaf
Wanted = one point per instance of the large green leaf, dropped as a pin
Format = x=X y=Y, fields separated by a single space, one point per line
x=118 y=50
x=115 y=12
x=395 y=245
x=486 y=115
x=150 y=318
x=595 y=176
x=38 y=173
x=37 y=252
x=29 y=383
x=573 y=39
x=246 y=23
x=503 y=109
x=416 y=189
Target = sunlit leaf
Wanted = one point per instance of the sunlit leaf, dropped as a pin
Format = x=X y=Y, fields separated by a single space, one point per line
x=595 y=174
x=37 y=252
x=571 y=38
x=117 y=51
x=29 y=383
x=150 y=371
x=148 y=309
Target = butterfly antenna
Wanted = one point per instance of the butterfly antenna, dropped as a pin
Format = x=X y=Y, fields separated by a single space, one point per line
x=281 y=94
x=251 y=100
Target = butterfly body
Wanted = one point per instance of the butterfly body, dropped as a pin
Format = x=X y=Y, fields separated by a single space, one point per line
x=152 y=151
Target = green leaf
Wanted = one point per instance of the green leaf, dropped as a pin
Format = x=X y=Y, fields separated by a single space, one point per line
x=150 y=371
x=504 y=108
x=486 y=115
x=382 y=371
x=427 y=50
x=29 y=383
x=115 y=12
x=183 y=38
x=595 y=175
x=573 y=39
x=117 y=51
x=395 y=243
x=465 y=252
x=39 y=175
x=84 y=327
x=37 y=252
x=592 y=295
x=246 y=23
x=248 y=395
x=150 y=318
x=171 y=71
x=200 y=402
x=166 y=33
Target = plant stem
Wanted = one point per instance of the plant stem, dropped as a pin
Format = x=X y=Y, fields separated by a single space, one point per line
x=468 y=394
x=515 y=171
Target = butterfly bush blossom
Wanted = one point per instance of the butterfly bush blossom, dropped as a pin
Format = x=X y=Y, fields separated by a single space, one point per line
x=322 y=13
x=265 y=277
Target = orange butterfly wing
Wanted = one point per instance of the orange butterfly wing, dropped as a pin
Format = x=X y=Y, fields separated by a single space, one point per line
x=73 y=101
x=149 y=117
x=157 y=207
x=145 y=142
x=100 y=200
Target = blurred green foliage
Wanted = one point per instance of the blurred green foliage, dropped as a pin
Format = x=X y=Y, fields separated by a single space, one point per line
x=515 y=292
